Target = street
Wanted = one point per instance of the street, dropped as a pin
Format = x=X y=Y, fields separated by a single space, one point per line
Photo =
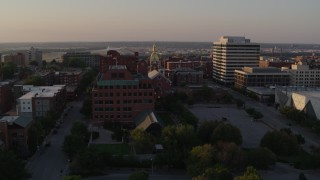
x=50 y=163
x=277 y=121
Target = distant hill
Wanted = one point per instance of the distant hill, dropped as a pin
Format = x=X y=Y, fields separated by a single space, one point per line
x=5 y=47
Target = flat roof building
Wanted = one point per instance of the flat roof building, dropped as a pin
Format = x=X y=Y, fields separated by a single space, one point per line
x=40 y=100
x=302 y=75
x=118 y=96
x=260 y=77
x=231 y=53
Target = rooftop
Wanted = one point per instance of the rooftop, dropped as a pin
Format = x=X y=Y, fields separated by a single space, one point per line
x=42 y=91
x=18 y=120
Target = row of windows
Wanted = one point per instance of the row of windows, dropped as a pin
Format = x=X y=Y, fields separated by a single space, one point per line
x=227 y=46
x=112 y=109
x=141 y=86
x=123 y=102
x=123 y=94
x=113 y=116
x=307 y=75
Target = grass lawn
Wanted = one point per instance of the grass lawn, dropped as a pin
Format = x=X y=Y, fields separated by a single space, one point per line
x=114 y=149
x=165 y=119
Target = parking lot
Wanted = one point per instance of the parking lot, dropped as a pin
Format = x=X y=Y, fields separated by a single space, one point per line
x=252 y=131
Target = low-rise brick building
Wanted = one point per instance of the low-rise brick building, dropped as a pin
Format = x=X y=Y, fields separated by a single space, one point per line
x=6 y=97
x=14 y=132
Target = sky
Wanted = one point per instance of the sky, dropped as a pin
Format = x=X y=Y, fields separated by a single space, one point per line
x=263 y=21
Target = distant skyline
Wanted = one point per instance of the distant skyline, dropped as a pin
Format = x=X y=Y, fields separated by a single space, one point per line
x=272 y=21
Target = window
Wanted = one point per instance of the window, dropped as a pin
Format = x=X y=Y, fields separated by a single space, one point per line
x=114 y=75
x=121 y=75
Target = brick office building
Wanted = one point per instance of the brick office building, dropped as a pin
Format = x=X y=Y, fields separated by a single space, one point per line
x=131 y=61
x=6 y=97
x=14 y=131
x=118 y=96
x=17 y=59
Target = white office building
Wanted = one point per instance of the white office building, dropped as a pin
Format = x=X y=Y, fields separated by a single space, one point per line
x=302 y=75
x=40 y=100
x=232 y=53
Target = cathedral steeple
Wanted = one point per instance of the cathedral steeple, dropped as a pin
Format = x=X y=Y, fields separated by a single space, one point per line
x=154 y=58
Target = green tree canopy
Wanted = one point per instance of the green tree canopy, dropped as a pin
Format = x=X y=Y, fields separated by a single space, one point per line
x=280 y=142
x=177 y=142
x=143 y=141
x=206 y=129
x=74 y=62
x=250 y=174
x=139 y=175
x=80 y=129
x=227 y=133
x=261 y=158
x=200 y=158
x=86 y=108
x=11 y=167
x=34 y=80
x=7 y=70
x=218 y=172
x=179 y=138
x=73 y=144
x=229 y=154
x=89 y=161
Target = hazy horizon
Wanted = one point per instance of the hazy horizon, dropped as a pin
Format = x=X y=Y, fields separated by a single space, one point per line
x=286 y=21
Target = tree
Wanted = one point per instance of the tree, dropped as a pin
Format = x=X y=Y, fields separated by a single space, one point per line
x=280 y=142
x=86 y=108
x=206 y=129
x=86 y=80
x=201 y=157
x=226 y=132
x=7 y=70
x=250 y=174
x=74 y=62
x=89 y=161
x=11 y=167
x=179 y=138
x=178 y=141
x=218 y=172
x=261 y=158
x=229 y=154
x=143 y=141
x=139 y=175
x=80 y=129
x=73 y=144
x=34 y=80
x=77 y=140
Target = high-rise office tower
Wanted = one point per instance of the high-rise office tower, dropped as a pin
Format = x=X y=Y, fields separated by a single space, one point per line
x=232 y=53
